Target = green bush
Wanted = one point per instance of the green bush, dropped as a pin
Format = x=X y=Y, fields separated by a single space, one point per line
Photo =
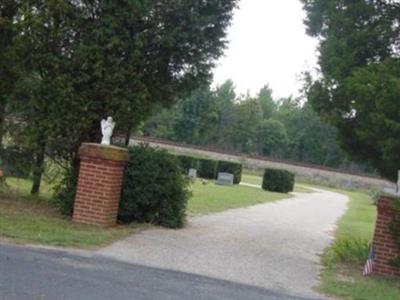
x=232 y=168
x=277 y=180
x=350 y=250
x=154 y=188
x=64 y=195
x=207 y=168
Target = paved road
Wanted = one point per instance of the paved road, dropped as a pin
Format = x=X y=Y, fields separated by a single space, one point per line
x=273 y=246
x=39 y=274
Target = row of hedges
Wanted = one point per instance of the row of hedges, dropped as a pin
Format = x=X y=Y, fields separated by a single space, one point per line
x=209 y=169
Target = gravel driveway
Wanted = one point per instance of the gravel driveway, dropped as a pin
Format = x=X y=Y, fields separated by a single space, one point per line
x=274 y=246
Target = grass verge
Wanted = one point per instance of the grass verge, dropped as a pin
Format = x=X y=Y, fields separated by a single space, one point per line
x=343 y=261
x=27 y=219
x=30 y=221
x=211 y=198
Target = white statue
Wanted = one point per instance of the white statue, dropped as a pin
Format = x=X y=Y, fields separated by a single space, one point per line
x=107 y=127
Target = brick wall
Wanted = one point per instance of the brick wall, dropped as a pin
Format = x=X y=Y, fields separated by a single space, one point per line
x=99 y=184
x=384 y=246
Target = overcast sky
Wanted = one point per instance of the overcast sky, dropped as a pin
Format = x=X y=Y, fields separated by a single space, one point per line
x=267 y=44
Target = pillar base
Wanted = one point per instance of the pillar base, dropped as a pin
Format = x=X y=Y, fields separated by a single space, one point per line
x=99 y=184
x=384 y=245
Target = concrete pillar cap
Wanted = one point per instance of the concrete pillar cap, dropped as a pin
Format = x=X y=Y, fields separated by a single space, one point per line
x=104 y=152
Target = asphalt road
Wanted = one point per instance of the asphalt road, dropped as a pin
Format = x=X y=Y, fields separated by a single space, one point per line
x=41 y=274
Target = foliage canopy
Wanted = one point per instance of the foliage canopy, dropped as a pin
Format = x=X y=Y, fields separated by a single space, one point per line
x=360 y=84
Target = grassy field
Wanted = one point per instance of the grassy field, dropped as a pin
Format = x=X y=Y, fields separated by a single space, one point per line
x=342 y=275
x=210 y=198
x=257 y=179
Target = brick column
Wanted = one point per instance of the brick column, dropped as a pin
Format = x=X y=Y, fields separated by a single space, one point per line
x=384 y=246
x=99 y=184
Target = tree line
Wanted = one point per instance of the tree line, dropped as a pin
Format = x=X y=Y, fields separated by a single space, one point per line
x=286 y=128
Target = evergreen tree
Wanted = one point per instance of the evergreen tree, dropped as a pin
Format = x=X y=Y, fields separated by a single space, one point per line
x=267 y=102
x=359 y=63
x=85 y=60
x=8 y=60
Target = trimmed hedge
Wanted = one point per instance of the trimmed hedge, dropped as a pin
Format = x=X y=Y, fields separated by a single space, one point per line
x=278 y=180
x=233 y=168
x=209 y=168
x=154 y=188
x=187 y=162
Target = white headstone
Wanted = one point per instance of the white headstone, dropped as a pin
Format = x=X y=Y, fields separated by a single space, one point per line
x=398 y=182
x=107 y=128
x=193 y=173
x=225 y=179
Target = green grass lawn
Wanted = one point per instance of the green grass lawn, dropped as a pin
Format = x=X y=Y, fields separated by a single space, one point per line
x=211 y=198
x=24 y=218
x=20 y=188
x=37 y=222
x=344 y=279
x=257 y=179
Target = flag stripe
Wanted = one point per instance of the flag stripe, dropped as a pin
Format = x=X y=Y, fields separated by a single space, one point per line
x=370 y=262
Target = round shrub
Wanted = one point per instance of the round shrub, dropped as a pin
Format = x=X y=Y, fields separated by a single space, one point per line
x=277 y=180
x=154 y=188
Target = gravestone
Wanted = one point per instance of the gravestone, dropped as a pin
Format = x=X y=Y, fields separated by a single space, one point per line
x=193 y=173
x=398 y=182
x=225 y=179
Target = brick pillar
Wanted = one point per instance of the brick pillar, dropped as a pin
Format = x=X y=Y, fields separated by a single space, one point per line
x=384 y=246
x=99 y=184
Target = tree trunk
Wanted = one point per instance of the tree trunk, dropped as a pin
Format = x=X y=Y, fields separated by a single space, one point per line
x=38 y=168
x=128 y=135
x=2 y=120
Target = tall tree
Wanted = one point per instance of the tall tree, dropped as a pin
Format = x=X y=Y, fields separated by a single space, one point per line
x=243 y=133
x=91 y=59
x=225 y=98
x=359 y=59
x=272 y=138
x=267 y=102
x=8 y=60
x=309 y=139
x=43 y=44
x=196 y=118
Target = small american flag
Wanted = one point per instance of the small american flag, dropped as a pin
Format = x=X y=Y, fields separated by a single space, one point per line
x=370 y=262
